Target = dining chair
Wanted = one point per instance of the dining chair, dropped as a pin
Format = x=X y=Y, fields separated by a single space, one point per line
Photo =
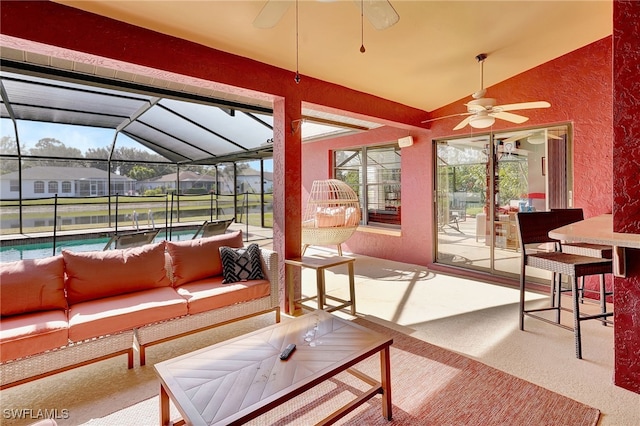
x=533 y=229
x=572 y=215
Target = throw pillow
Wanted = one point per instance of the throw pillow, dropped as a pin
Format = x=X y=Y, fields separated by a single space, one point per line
x=241 y=264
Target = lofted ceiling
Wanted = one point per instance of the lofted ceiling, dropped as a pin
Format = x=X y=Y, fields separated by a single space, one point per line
x=426 y=60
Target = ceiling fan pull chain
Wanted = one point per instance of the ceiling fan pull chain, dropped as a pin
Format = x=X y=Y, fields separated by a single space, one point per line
x=297 y=77
x=362 y=49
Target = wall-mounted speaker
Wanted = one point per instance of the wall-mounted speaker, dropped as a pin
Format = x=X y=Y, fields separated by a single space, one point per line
x=405 y=142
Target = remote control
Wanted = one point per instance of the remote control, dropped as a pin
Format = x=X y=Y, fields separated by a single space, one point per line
x=287 y=352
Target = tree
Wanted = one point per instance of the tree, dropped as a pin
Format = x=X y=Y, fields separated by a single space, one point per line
x=8 y=146
x=138 y=172
x=51 y=147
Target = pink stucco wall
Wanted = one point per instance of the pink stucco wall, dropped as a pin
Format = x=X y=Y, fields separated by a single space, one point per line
x=414 y=246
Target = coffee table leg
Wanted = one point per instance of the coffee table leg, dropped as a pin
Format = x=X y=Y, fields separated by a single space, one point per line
x=385 y=379
x=165 y=417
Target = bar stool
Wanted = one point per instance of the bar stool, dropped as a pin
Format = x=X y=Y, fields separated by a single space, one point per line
x=566 y=217
x=533 y=228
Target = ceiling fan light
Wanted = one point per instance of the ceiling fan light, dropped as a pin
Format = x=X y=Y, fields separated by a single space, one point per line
x=482 y=121
x=536 y=140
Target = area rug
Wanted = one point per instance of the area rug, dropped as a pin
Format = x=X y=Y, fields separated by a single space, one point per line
x=430 y=386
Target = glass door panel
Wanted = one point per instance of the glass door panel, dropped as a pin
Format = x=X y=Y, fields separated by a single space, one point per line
x=483 y=181
x=460 y=200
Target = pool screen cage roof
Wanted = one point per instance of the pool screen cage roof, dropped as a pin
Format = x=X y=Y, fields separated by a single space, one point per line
x=183 y=128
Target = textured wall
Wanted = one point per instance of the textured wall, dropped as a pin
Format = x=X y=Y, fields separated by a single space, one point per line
x=626 y=200
x=414 y=244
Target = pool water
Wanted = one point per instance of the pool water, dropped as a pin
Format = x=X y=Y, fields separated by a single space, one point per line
x=41 y=250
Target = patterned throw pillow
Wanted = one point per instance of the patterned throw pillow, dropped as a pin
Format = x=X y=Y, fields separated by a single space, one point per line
x=241 y=264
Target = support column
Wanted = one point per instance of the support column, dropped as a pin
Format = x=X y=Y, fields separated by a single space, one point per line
x=287 y=188
x=626 y=188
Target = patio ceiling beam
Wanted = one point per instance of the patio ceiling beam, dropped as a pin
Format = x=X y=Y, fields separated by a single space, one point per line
x=136 y=88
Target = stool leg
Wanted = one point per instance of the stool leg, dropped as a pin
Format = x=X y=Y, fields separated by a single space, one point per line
x=603 y=298
x=557 y=284
x=581 y=289
x=576 y=316
x=521 y=307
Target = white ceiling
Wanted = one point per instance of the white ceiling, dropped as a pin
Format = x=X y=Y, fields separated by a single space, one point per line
x=426 y=60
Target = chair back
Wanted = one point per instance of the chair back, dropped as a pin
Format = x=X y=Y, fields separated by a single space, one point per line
x=567 y=216
x=133 y=239
x=215 y=227
x=534 y=227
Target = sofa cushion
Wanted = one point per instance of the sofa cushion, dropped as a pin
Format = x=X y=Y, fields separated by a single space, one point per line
x=32 y=286
x=200 y=258
x=211 y=293
x=97 y=274
x=241 y=264
x=29 y=334
x=111 y=315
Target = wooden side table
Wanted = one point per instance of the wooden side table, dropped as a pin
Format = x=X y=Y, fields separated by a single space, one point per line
x=320 y=264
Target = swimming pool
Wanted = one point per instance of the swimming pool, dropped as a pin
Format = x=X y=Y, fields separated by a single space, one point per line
x=41 y=250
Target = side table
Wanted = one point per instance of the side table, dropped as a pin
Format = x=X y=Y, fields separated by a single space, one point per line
x=320 y=264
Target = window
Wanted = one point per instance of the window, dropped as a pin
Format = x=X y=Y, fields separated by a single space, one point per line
x=66 y=187
x=374 y=173
x=38 y=187
x=53 y=187
x=14 y=185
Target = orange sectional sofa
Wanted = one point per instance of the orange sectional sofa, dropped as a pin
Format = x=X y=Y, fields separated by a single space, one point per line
x=73 y=309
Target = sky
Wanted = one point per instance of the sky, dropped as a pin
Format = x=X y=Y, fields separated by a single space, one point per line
x=81 y=137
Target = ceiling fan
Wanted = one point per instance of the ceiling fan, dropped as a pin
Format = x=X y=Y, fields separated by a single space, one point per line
x=380 y=13
x=482 y=112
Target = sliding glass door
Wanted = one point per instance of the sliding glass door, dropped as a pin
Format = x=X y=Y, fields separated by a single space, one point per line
x=482 y=181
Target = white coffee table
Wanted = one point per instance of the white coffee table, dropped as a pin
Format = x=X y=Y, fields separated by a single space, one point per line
x=237 y=380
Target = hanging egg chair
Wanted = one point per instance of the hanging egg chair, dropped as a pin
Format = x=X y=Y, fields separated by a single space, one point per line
x=331 y=216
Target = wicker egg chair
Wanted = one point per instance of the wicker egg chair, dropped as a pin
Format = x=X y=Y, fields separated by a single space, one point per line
x=331 y=216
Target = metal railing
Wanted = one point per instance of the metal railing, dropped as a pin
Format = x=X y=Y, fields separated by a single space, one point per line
x=55 y=214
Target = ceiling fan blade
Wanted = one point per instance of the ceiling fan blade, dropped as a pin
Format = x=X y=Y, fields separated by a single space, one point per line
x=463 y=123
x=550 y=136
x=446 y=116
x=517 y=137
x=271 y=13
x=523 y=105
x=379 y=12
x=507 y=116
